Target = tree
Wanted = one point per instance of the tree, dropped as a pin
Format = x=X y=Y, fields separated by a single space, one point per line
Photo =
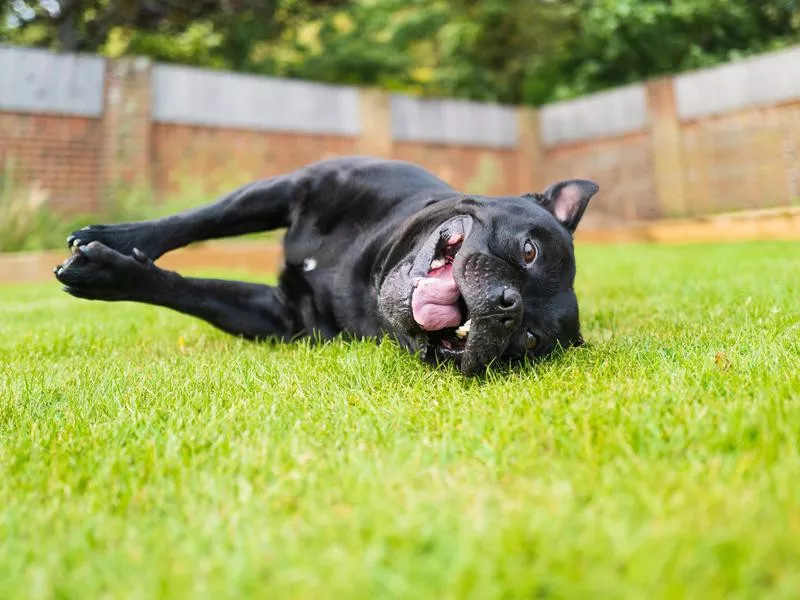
x=514 y=51
x=621 y=41
x=89 y=25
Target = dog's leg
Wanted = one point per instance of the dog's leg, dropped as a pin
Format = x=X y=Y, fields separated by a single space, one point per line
x=254 y=311
x=259 y=206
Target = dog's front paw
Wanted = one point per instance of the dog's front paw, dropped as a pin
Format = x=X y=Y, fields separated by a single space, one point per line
x=96 y=272
x=123 y=237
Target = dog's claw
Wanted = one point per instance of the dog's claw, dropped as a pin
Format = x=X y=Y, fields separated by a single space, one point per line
x=140 y=256
x=93 y=251
x=73 y=238
x=76 y=245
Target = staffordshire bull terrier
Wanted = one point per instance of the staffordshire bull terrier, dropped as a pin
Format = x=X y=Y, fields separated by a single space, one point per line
x=372 y=248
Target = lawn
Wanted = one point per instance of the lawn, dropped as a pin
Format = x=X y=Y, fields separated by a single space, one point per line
x=143 y=454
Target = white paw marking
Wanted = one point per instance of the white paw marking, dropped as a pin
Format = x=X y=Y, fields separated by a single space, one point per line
x=309 y=264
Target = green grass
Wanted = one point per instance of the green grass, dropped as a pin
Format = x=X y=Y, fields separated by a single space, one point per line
x=660 y=461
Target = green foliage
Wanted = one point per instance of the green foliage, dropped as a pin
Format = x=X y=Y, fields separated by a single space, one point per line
x=26 y=220
x=622 y=41
x=146 y=455
x=514 y=51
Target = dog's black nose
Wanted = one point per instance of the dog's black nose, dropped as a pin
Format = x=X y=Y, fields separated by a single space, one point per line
x=507 y=299
x=511 y=298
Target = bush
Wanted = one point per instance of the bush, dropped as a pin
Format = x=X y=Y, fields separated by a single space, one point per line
x=29 y=222
x=26 y=220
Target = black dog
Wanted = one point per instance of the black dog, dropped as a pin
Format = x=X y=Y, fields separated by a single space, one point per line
x=372 y=247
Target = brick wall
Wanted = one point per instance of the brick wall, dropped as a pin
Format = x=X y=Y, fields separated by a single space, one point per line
x=58 y=154
x=622 y=166
x=218 y=157
x=467 y=168
x=746 y=160
x=706 y=142
x=126 y=153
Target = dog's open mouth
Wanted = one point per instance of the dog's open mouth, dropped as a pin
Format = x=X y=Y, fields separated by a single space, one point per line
x=437 y=304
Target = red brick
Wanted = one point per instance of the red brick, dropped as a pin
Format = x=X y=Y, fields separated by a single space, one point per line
x=46 y=156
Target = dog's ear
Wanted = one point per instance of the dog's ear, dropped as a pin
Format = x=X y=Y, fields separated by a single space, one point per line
x=567 y=200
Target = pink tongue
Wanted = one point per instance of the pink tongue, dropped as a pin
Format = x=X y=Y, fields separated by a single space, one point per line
x=434 y=301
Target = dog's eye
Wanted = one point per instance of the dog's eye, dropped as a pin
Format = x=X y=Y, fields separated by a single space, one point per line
x=530 y=252
x=531 y=341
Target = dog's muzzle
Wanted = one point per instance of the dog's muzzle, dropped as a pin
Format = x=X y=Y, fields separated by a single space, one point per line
x=494 y=304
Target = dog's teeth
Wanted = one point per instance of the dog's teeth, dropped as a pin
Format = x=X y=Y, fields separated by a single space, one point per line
x=463 y=331
x=437 y=263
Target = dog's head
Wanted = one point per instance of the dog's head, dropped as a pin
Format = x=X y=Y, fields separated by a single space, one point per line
x=479 y=280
